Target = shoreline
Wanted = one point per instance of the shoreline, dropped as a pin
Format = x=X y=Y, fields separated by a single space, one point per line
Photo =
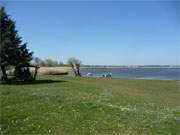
x=68 y=68
x=114 y=67
x=68 y=71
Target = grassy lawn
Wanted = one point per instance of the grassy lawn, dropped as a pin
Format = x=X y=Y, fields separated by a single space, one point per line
x=68 y=105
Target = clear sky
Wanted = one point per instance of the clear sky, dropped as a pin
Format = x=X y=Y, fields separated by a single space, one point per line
x=100 y=32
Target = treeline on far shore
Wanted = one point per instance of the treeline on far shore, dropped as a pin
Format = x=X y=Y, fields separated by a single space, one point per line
x=54 y=63
x=48 y=62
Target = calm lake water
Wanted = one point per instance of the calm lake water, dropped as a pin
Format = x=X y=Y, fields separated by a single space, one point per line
x=139 y=73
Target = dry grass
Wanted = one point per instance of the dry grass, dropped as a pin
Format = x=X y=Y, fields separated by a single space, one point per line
x=54 y=70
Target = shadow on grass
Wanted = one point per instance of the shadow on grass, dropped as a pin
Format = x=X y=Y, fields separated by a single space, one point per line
x=16 y=82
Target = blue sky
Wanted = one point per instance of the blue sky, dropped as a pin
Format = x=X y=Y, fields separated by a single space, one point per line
x=100 y=32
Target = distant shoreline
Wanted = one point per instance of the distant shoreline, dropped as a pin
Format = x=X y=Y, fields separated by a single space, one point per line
x=104 y=67
x=68 y=68
x=159 y=73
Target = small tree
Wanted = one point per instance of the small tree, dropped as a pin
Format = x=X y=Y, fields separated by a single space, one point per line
x=75 y=64
x=61 y=63
x=37 y=61
x=12 y=51
x=51 y=63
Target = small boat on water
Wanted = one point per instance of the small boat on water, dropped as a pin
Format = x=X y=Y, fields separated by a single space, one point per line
x=89 y=74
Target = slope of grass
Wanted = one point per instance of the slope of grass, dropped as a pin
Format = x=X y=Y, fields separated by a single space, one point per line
x=67 y=105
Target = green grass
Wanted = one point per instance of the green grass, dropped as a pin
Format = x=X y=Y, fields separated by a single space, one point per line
x=69 y=105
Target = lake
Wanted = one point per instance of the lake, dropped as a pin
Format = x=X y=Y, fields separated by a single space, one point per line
x=139 y=73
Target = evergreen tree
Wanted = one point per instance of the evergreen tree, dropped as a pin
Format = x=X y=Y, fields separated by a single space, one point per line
x=12 y=51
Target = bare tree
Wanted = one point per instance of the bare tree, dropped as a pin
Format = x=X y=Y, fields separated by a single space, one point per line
x=75 y=64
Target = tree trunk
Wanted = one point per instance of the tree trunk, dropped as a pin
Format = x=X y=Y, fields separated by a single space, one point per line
x=78 y=72
x=36 y=69
x=74 y=70
x=4 y=77
x=78 y=69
